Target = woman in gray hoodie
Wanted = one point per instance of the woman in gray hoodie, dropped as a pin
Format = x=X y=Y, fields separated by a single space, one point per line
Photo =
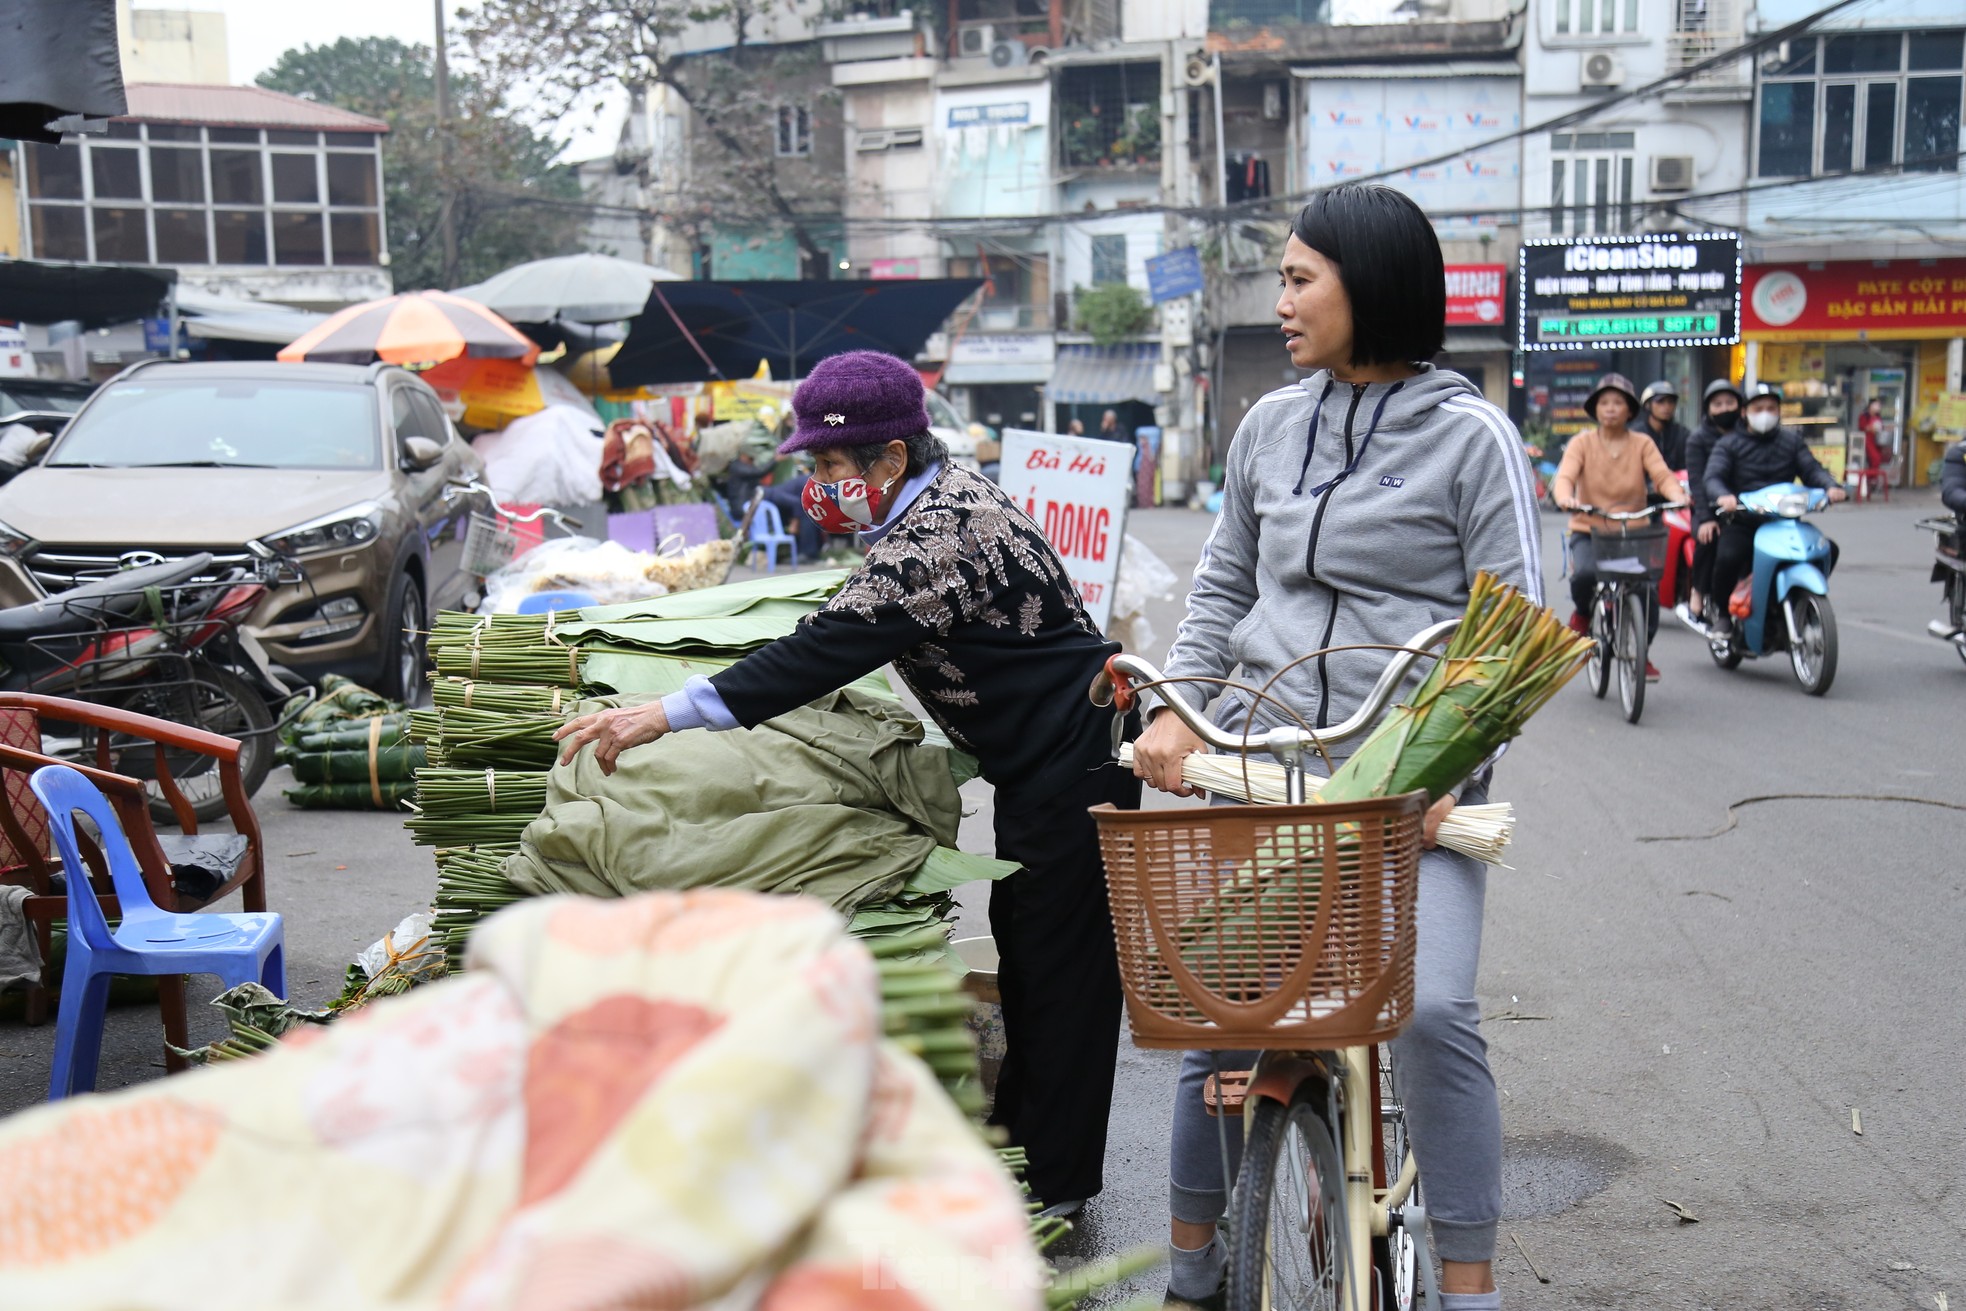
x=1357 y=508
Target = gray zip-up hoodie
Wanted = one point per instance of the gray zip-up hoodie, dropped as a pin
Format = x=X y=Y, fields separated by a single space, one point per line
x=1352 y=514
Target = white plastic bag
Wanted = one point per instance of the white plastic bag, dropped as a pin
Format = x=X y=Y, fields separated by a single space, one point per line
x=607 y=571
x=549 y=458
x=1143 y=577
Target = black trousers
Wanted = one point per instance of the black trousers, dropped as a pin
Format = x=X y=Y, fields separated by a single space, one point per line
x=1703 y=564
x=1583 y=583
x=1733 y=557
x=1059 y=980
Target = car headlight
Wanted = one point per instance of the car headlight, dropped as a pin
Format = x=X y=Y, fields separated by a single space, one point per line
x=13 y=542
x=358 y=525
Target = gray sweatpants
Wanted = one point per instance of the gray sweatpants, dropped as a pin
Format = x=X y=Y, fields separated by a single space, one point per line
x=1440 y=1061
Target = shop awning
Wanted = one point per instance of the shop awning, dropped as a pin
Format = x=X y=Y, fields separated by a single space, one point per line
x=96 y=295
x=1475 y=341
x=1103 y=375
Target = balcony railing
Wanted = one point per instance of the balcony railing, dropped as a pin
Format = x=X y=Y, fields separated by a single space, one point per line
x=1701 y=30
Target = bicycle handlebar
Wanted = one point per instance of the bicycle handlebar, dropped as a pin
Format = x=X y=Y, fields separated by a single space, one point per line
x=1623 y=516
x=1113 y=686
x=543 y=512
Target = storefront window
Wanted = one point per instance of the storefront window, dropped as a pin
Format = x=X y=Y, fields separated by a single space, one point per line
x=54 y=172
x=118 y=175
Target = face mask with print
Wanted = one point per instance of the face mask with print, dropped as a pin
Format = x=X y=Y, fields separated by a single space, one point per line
x=1764 y=421
x=847 y=506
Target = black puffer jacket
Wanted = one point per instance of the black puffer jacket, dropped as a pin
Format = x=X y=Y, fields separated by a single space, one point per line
x=1952 y=479
x=1699 y=449
x=1744 y=460
x=1669 y=437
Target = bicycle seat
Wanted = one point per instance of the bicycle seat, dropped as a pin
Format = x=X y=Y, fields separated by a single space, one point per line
x=119 y=596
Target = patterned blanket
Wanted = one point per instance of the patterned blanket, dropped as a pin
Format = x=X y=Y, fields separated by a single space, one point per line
x=671 y=1100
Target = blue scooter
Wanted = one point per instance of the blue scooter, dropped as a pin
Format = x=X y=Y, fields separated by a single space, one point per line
x=1790 y=588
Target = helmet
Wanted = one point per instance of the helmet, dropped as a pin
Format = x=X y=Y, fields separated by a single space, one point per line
x=1761 y=391
x=1658 y=391
x=1617 y=382
x=1717 y=386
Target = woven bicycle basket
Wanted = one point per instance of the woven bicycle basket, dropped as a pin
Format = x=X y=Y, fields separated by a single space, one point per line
x=1265 y=927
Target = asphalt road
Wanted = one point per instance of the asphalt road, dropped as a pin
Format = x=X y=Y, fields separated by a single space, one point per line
x=1709 y=1011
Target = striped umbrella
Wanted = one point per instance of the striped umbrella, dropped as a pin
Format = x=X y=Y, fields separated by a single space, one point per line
x=418 y=327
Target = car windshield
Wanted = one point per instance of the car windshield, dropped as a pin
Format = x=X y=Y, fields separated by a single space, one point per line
x=243 y=423
x=18 y=397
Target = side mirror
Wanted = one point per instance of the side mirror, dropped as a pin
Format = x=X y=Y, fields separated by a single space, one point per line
x=420 y=453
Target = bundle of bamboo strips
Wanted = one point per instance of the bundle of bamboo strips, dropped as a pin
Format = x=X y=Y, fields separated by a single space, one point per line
x=464 y=807
x=1480 y=831
x=464 y=694
x=489 y=738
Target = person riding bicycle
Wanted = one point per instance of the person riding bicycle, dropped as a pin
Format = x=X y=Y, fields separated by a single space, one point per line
x=1607 y=467
x=1747 y=459
x=1358 y=506
x=1658 y=406
x=1720 y=411
x=963 y=594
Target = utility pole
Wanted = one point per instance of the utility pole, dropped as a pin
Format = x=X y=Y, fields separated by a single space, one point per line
x=447 y=218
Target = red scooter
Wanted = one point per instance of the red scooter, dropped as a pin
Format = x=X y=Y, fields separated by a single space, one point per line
x=1676 y=583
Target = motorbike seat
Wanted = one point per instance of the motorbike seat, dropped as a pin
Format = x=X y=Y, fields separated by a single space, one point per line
x=117 y=597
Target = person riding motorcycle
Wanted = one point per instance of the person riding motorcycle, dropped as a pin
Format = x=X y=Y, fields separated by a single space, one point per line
x=1720 y=413
x=1658 y=406
x=1745 y=460
x=1952 y=481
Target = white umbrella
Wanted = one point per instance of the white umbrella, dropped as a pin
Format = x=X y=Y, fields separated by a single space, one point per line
x=581 y=288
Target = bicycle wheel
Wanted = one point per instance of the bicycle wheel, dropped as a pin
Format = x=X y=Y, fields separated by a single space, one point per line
x=1395 y=1269
x=1632 y=644
x=1604 y=623
x=1959 y=612
x=1287 y=1218
x=1812 y=648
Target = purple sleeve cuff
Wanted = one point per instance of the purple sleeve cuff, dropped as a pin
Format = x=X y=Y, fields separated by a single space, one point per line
x=698 y=705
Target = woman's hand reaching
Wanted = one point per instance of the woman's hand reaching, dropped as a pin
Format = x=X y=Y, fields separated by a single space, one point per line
x=612 y=732
x=1157 y=756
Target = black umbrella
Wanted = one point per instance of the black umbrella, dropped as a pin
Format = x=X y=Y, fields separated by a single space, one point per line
x=692 y=331
x=58 y=65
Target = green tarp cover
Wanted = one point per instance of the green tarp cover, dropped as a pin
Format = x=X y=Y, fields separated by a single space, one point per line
x=838 y=800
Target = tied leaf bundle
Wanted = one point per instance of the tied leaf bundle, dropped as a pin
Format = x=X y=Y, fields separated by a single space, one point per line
x=1503 y=664
x=503 y=649
x=490 y=738
x=463 y=694
x=463 y=807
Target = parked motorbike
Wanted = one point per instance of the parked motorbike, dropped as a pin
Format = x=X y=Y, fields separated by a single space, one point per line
x=164 y=640
x=1949 y=570
x=1788 y=590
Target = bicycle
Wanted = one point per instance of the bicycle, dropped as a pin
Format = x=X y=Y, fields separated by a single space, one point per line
x=1629 y=566
x=1329 y=1188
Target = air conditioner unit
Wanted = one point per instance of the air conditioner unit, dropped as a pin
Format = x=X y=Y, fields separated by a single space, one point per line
x=974 y=42
x=1009 y=54
x=1602 y=69
x=1199 y=70
x=901 y=137
x=1672 y=173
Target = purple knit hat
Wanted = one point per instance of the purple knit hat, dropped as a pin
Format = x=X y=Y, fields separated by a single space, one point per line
x=856 y=399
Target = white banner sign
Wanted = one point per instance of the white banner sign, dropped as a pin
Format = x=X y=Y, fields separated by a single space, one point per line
x=1075 y=489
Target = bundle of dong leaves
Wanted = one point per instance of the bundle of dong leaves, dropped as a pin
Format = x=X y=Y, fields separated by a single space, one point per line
x=506 y=683
x=349 y=749
x=1506 y=660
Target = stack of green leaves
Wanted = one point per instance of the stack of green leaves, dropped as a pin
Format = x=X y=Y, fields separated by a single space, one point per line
x=354 y=764
x=340 y=700
x=490 y=738
x=464 y=807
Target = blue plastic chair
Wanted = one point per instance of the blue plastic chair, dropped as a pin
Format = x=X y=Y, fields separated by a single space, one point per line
x=768 y=533
x=540 y=603
x=237 y=948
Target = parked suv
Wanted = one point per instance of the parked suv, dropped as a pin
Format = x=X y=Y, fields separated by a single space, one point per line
x=351 y=474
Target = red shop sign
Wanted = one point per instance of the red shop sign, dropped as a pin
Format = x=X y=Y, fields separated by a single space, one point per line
x=1476 y=294
x=1844 y=300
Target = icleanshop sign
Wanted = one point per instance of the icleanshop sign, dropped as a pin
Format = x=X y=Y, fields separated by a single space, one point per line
x=1074 y=488
x=1651 y=289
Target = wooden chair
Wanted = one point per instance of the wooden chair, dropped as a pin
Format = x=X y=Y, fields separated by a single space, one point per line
x=28 y=846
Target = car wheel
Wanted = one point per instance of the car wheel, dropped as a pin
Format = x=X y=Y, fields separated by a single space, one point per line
x=405 y=659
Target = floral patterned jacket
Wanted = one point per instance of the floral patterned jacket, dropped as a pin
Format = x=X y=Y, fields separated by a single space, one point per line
x=979 y=617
